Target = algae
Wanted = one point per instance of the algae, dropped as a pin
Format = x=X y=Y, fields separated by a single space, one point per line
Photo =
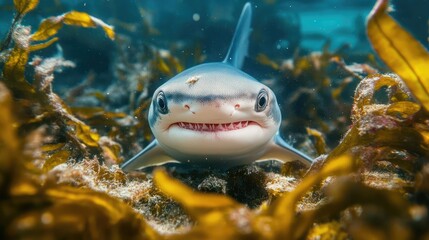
x=59 y=174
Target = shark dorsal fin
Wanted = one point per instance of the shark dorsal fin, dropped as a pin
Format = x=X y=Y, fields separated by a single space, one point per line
x=240 y=42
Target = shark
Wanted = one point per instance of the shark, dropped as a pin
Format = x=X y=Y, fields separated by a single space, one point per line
x=216 y=115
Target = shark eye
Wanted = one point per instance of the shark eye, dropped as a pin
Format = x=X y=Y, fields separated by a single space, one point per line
x=162 y=103
x=261 y=101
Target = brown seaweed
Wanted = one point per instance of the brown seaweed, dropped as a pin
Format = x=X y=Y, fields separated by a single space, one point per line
x=40 y=103
x=59 y=176
x=51 y=211
x=406 y=56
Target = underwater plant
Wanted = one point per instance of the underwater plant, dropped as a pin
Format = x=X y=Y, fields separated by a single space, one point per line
x=55 y=181
x=38 y=104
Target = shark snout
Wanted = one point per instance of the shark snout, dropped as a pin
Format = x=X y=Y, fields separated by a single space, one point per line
x=218 y=110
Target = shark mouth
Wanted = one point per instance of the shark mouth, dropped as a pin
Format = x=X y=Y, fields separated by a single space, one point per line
x=215 y=127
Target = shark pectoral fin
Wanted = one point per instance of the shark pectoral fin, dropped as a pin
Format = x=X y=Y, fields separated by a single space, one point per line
x=278 y=149
x=240 y=41
x=151 y=155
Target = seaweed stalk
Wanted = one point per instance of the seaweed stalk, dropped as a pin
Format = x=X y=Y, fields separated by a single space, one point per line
x=22 y=7
x=6 y=42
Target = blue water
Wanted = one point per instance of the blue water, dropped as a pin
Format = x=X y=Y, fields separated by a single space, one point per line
x=280 y=28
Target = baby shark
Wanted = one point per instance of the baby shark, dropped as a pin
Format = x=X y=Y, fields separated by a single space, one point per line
x=216 y=115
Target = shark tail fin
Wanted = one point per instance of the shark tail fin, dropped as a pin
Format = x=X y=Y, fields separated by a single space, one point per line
x=240 y=42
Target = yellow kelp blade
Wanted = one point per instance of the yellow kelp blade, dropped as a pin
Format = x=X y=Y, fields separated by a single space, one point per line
x=47 y=28
x=85 y=134
x=283 y=209
x=43 y=45
x=25 y=6
x=50 y=26
x=9 y=144
x=197 y=204
x=85 y=20
x=13 y=72
x=78 y=19
x=55 y=159
x=66 y=212
x=319 y=140
x=406 y=56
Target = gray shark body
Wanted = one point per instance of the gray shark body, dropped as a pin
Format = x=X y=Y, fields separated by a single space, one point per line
x=217 y=115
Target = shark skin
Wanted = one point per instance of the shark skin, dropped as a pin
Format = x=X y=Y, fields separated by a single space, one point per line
x=216 y=115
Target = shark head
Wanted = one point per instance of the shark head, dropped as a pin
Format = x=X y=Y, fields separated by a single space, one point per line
x=213 y=110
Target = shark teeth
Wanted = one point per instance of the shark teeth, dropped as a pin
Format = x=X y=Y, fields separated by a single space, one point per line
x=213 y=127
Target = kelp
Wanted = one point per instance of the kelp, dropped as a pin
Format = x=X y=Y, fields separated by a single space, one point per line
x=51 y=211
x=22 y=7
x=50 y=26
x=319 y=142
x=9 y=148
x=315 y=96
x=25 y=6
x=405 y=55
x=219 y=216
x=393 y=131
x=40 y=103
x=13 y=72
x=372 y=185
